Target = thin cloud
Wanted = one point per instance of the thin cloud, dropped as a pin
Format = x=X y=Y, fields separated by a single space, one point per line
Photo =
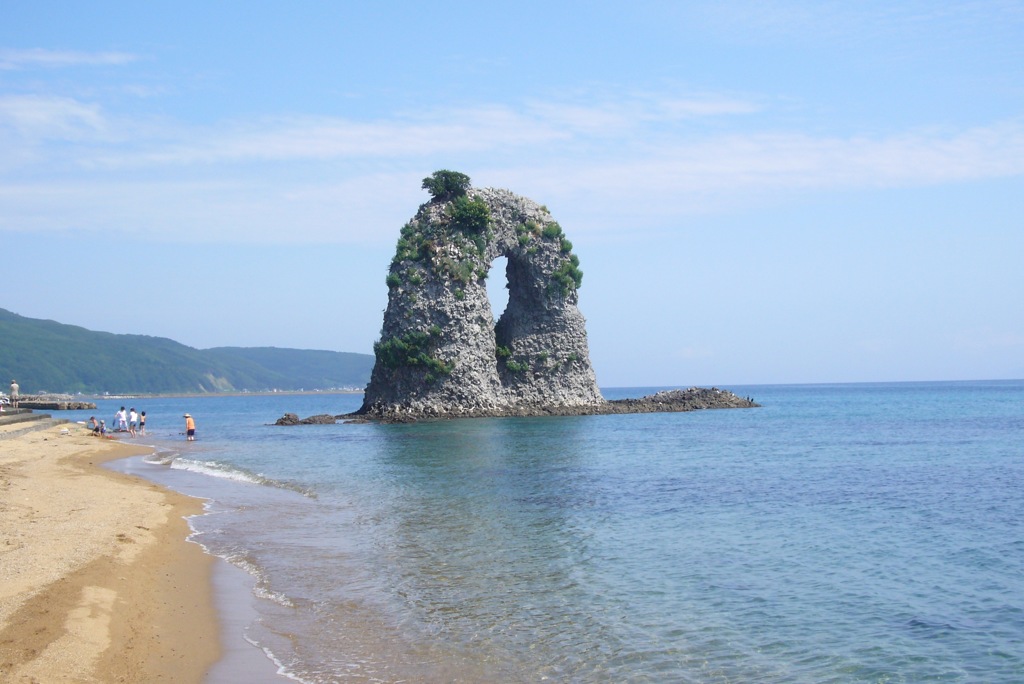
x=448 y=131
x=639 y=155
x=37 y=116
x=713 y=106
x=58 y=59
x=334 y=138
x=634 y=113
x=675 y=173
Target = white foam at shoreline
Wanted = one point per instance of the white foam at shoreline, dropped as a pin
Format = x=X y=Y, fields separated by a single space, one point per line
x=242 y=660
x=174 y=461
x=215 y=469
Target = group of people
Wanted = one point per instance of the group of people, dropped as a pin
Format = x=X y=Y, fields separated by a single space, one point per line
x=135 y=424
x=127 y=421
x=130 y=421
x=98 y=427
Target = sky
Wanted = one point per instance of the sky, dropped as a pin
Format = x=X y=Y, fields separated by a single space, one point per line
x=759 y=192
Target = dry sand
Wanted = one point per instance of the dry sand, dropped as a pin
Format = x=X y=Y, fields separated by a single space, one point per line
x=97 y=580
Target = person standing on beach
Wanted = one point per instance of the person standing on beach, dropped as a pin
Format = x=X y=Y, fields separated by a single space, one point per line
x=142 y=423
x=133 y=418
x=190 y=428
x=14 y=394
x=122 y=420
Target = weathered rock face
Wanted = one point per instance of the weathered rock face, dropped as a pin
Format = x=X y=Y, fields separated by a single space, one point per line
x=442 y=354
x=293 y=419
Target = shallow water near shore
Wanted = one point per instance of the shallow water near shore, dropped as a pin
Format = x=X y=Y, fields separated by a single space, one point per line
x=866 y=532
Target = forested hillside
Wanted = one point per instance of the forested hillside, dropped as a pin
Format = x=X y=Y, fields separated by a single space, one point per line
x=49 y=356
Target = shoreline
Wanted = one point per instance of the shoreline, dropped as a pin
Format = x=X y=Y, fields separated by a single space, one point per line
x=98 y=581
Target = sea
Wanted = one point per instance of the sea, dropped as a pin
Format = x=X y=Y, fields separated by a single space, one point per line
x=837 y=533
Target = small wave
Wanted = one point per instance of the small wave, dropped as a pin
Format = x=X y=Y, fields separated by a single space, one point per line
x=215 y=469
x=282 y=670
x=261 y=591
x=243 y=561
x=161 y=456
x=229 y=472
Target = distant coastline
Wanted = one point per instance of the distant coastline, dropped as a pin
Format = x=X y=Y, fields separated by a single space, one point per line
x=161 y=366
x=199 y=395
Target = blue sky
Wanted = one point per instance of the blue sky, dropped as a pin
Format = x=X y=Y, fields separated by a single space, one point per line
x=759 y=192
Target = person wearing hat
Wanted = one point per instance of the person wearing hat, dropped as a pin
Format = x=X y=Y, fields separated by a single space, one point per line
x=190 y=427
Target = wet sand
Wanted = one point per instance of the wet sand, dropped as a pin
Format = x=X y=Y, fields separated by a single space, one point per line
x=97 y=580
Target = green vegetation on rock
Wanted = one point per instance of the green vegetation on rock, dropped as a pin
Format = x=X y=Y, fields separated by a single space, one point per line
x=552 y=230
x=514 y=366
x=470 y=215
x=444 y=185
x=411 y=350
x=568 y=276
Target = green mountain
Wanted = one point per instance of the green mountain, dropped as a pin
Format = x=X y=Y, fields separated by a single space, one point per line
x=49 y=356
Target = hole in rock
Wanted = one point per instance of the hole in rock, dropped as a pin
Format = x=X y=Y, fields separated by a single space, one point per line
x=497 y=287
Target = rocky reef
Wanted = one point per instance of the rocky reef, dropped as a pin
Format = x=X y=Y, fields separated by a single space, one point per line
x=693 y=399
x=441 y=354
x=293 y=419
x=668 y=401
x=53 y=402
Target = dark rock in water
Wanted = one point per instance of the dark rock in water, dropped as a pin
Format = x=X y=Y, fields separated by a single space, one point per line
x=441 y=354
x=293 y=419
x=320 y=419
x=693 y=399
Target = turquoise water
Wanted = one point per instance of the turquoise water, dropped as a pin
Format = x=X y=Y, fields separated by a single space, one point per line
x=840 y=533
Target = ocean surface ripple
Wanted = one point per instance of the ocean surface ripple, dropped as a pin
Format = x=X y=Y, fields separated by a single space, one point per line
x=840 y=533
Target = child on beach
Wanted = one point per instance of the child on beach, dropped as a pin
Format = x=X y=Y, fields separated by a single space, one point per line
x=142 y=423
x=133 y=419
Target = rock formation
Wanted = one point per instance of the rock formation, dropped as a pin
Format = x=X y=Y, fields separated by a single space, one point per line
x=441 y=353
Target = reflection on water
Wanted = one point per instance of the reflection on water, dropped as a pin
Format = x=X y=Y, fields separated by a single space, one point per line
x=840 y=533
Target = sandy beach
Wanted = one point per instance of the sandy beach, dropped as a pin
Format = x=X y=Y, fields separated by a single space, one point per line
x=97 y=580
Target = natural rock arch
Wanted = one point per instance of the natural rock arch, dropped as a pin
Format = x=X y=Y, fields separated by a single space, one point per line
x=441 y=353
